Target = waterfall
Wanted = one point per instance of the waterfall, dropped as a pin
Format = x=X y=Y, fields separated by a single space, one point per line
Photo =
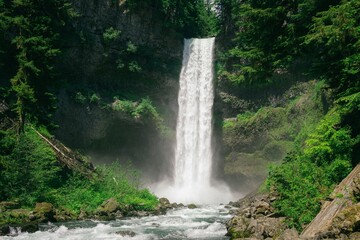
x=193 y=157
x=192 y=181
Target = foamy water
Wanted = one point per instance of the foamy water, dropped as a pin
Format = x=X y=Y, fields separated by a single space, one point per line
x=192 y=181
x=206 y=222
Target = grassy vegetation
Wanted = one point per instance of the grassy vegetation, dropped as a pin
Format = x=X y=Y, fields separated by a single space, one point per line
x=120 y=182
x=256 y=139
x=30 y=173
x=309 y=174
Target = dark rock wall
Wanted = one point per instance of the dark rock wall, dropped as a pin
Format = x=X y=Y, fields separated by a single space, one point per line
x=88 y=64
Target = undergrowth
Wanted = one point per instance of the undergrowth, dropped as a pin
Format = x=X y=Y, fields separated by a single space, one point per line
x=309 y=174
x=30 y=173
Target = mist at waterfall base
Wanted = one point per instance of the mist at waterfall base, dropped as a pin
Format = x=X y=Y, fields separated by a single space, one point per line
x=192 y=176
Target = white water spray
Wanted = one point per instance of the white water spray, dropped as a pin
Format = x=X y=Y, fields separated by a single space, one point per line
x=193 y=157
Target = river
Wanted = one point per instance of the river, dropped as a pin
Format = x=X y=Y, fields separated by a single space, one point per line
x=206 y=222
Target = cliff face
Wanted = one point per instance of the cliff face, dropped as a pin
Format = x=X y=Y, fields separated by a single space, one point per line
x=113 y=53
x=260 y=128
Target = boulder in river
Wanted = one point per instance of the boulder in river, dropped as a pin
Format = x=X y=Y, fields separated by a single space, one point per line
x=191 y=206
x=109 y=210
x=109 y=206
x=126 y=233
x=44 y=212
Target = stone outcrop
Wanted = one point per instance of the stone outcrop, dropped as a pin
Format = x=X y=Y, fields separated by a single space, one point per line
x=110 y=209
x=339 y=216
x=255 y=219
x=43 y=212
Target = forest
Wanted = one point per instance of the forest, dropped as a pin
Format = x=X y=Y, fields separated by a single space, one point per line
x=53 y=48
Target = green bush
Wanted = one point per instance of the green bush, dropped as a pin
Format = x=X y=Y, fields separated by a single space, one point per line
x=95 y=98
x=80 y=98
x=111 y=34
x=31 y=173
x=115 y=180
x=309 y=175
x=29 y=168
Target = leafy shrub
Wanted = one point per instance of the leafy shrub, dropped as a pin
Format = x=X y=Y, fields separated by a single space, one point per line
x=80 y=98
x=95 y=98
x=111 y=34
x=134 y=67
x=121 y=182
x=29 y=168
x=308 y=176
x=131 y=48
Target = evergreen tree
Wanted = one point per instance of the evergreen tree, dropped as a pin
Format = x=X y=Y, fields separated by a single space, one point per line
x=32 y=28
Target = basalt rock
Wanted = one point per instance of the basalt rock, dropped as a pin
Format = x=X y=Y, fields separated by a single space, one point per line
x=8 y=205
x=109 y=210
x=63 y=215
x=44 y=212
x=126 y=233
x=255 y=219
x=191 y=206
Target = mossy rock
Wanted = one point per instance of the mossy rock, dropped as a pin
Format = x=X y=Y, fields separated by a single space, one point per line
x=20 y=213
x=8 y=205
x=192 y=206
x=44 y=212
x=109 y=206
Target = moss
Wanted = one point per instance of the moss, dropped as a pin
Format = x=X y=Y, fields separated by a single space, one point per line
x=254 y=139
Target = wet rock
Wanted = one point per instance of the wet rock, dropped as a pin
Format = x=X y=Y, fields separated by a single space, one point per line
x=155 y=224
x=83 y=215
x=191 y=206
x=63 y=214
x=14 y=229
x=20 y=214
x=109 y=206
x=174 y=205
x=163 y=206
x=354 y=236
x=8 y=205
x=126 y=233
x=137 y=214
x=253 y=219
x=164 y=202
x=44 y=212
x=4 y=230
x=346 y=222
x=30 y=227
x=262 y=207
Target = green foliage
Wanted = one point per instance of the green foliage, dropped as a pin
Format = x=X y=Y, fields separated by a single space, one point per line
x=29 y=168
x=301 y=185
x=31 y=33
x=80 y=98
x=336 y=37
x=111 y=35
x=30 y=173
x=95 y=98
x=134 y=67
x=274 y=37
x=121 y=182
x=307 y=176
x=143 y=110
x=131 y=48
x=192 y=18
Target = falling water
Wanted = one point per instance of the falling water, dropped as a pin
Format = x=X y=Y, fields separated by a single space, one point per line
x=193 y=132
x=193 y=157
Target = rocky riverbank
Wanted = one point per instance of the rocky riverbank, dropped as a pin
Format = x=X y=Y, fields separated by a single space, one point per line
x=13 y=217
x=339 y=217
